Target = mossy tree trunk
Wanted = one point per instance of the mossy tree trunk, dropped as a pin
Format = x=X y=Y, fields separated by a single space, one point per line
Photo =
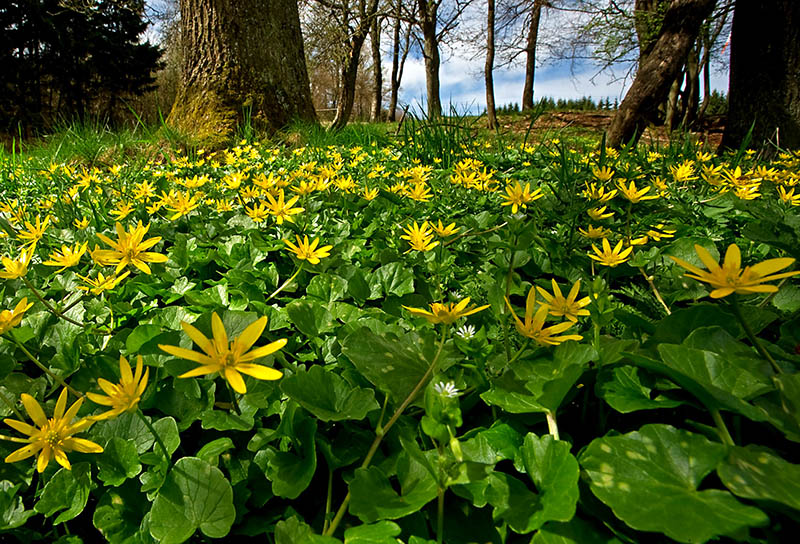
x=242 y=58
x=765 y=74
x=530 y=54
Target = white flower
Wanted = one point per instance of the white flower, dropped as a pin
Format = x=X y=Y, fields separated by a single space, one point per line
x=446 y=389
x=466 y=331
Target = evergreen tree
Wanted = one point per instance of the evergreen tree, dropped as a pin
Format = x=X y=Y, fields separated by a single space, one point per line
x=60 y=62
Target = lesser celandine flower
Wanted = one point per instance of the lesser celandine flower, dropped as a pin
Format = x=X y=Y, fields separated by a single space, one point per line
x=443 y=231
x=125 y=395
x=229 y=359
x=308 y=251
x=611 y=257
x=420 y=238
x=281 y=209
x=34 y=233
x=599 y=213
x=633 y=193
x=11 y=318
x=730 y=278
x=16 y=268
x=569 y=307
x=446 y=313
x=67 y=257
x=130 y=248
x=518 y=196
x=101 y=283
x=51 y=438
x=533 y=326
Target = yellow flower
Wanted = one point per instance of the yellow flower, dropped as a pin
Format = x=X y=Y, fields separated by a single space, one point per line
x=730 y=278
x=11 y=318
x=258 y=213
x=420 y=193
x=595 y=232
x=633 y=194
x=305 y=251
x=603 y=174
x=51 y=438
x=609 y=257
x=660 y=231
x=18 y=267
x=593 y=192
x=121 y=210
x=125 y=395
x=230 y=359
x=599 y=213
x=34 y=233
x=67 y=257
x=283 y=210
x=81 y=224
x=419 y=238
x=101 y=283
x=443 y=231
x=182 y=204
x=683 y=172
x=788 y=197
x=565 y=307
x=446 y=313
x=518 y=196
x=370 y=194
x=533 y=327
x=130 y=249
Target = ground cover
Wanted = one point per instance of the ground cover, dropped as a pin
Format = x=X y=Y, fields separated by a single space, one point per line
x=442 y=339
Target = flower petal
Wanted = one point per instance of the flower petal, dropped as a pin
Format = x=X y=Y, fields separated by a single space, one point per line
x=34 y=409
x=236 y=380
x=259 y=372
x=251 y=334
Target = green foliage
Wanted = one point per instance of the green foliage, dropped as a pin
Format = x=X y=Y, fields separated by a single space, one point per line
x=379 y=406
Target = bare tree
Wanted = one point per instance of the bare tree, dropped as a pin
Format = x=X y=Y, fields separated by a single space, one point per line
x=679 y=30
x=377 y=71
x=491 y=114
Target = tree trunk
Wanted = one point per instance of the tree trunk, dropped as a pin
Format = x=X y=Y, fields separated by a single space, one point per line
x=428 y=12
x=349 y=75
x=646 y=22
x=491 y=114
x=530 y=55
x=692 y=95
x=240 y=55
x=671 y=108
x=678 y=33
x=764 y=74
x=377 y=72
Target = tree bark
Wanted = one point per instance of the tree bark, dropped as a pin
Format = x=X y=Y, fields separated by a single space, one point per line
x=237 y=56
x=678 y=33
x=691 y=97
x=530 y=55
x=428 y=13
x=764 y=74
x=377 y=72
x=491 y=114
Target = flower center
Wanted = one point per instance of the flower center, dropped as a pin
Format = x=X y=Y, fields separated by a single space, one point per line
x=52 y=438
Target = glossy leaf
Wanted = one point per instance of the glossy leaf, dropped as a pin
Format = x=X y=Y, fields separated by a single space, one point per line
x=328 y=396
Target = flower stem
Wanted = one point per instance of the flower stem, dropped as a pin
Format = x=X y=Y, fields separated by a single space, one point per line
x=234 y=402
x=509 y=277
x=655 y=291
x=552 y=425
x=749 y=332
x=440 y=515
x=722 y=429
x=380 y=432
x=49 y=306
x=328 y=500
x=44 y=369
x=155 y=434
x=285 y=284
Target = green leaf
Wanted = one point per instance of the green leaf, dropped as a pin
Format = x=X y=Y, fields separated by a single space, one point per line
x=194 y=496
x=295 y=531
x=756 y=473
x=140 y=336
x=118 y=462
x=222 y=420
x=492 y=445
x=291 y=474
x=390 y=363
x=395 y=279
x=374 y=498
x=210 y=452
x=326 y=395
x=327 y=288
x=13 y=512
x=623 y=390
x=127 y=426
x=119 y=513
x=650 y=479
x=67 y=490
x=677 y=326
x=382 y=532
x=787 y=299
x=554 y=471
x=575 y=531
x=311 y=318
x=788 y=386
